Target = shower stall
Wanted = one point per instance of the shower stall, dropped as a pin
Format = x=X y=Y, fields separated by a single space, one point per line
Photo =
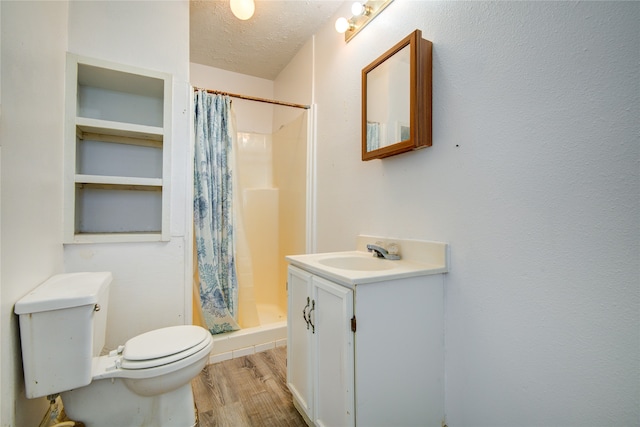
x=270 y=149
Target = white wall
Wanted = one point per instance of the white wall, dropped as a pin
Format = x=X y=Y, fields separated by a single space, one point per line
x=251 y=116
x=149 y=288
x=150 y=279
x=34 y=40
x=0 y=207
x=294 y=84
x=532 y=179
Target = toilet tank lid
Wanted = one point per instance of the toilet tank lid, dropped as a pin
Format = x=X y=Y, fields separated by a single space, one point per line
x=64 y=291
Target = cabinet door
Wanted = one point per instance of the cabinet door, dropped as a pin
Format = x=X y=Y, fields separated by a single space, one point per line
x=333 y=346
x=299 y=361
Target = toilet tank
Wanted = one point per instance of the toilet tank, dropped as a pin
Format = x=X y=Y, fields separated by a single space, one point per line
x=63 y=325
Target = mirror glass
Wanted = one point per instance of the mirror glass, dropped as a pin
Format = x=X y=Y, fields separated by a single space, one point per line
x=388 y=105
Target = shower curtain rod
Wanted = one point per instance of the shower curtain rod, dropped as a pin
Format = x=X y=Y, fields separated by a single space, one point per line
x=253 y=98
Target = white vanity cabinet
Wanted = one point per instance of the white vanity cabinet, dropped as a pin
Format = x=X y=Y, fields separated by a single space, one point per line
x=320 y=349
x=373 y=353
x=117 y=152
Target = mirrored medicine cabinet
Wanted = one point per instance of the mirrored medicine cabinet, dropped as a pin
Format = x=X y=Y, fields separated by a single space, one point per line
x=396 y=99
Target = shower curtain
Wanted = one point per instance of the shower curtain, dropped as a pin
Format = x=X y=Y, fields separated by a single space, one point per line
x=373 y=136
x=213 y=211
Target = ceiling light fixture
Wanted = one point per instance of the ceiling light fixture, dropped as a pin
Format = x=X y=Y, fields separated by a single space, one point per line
x=242 y=9
x=363 y=13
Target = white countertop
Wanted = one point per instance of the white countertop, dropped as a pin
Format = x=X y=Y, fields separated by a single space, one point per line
x=393 y=270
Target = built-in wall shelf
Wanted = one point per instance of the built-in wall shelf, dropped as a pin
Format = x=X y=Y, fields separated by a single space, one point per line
x=117 y=148
x=106 y=128
x=124 y=181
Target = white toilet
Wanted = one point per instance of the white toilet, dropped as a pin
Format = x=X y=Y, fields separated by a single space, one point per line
x=145 y=382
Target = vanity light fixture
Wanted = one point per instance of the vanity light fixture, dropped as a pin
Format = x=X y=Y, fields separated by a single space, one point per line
x=358 y=9
x=363 y=13
x=342 y=24
x=242 y=9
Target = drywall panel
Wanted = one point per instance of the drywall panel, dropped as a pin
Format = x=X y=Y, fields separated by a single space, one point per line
x=31 y=125
x=251 y=116
x=152 y=281
x=533 y=181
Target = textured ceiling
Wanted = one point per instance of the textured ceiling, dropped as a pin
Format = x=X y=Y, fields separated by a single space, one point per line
x=261 y=46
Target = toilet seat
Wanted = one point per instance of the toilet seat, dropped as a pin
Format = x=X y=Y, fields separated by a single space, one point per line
x=145 y=364
x=195 y=343
x=162 y=346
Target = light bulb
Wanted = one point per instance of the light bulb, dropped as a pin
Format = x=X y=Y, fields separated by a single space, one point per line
x=357 y=8
x=342 y=25
x=242 y=9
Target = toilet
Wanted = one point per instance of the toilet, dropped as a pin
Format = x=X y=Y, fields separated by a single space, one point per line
x=145 y=382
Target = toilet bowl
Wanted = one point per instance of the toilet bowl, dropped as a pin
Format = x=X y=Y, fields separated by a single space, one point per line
x=145 y=382
x=151 y=388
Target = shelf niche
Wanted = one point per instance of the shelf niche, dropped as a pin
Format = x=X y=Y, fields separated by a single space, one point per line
x=117 y=139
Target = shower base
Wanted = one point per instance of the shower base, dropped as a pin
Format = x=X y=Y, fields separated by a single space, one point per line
x=270 y=334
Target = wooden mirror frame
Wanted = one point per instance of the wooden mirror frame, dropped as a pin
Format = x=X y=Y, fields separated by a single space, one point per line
x=420 y=97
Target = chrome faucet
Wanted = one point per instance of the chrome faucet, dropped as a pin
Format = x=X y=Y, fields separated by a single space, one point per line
x=380 y=252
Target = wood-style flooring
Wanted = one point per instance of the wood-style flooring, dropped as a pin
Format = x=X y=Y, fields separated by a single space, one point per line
x=248 y=391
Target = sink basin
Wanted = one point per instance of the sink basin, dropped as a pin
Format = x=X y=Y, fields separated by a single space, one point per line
x=357 y=263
